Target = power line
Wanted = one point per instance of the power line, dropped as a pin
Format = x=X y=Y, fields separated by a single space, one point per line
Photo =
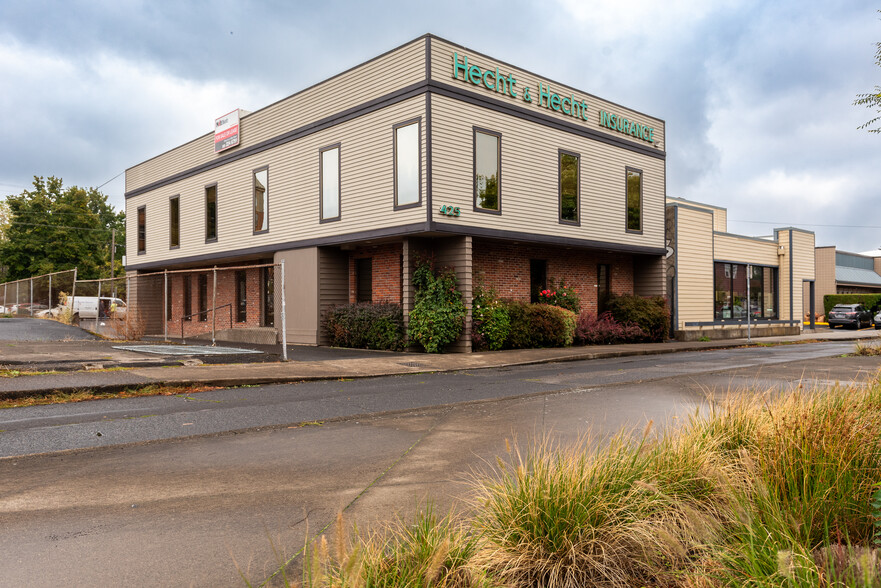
x=779 y=224
x=56 y=226
x=110 y=180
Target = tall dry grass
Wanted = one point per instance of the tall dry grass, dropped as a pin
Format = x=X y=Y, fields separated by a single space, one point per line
x=757 y=490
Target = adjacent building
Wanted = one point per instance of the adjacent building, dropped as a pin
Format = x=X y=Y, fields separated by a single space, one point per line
x=839 y=272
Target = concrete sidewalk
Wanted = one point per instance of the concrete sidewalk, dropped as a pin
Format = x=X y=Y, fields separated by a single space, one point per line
x=322 y=363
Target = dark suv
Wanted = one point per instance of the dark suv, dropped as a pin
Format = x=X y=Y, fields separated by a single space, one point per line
x=852 y=315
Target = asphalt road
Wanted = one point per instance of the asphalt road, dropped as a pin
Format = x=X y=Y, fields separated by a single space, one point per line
x=28 y=329
x=180 y=511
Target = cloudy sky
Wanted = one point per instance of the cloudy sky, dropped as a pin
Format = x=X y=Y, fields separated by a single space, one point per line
x=757 y=95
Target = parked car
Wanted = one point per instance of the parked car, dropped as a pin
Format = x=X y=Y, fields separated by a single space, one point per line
x=877 y=320
x=851 y=315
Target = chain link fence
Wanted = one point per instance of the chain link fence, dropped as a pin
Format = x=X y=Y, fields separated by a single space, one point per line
x=240 y=304
x=38 y=295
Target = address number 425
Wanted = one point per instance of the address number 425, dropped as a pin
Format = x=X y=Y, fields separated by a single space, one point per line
x=449 y=210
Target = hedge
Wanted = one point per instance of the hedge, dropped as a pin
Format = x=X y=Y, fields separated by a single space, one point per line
x=649 y=314
x=870 y=301
x=539 y=325
x=366 y=326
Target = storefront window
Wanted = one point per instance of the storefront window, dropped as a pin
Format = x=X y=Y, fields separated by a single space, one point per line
x=731 y=301
x=486 y=170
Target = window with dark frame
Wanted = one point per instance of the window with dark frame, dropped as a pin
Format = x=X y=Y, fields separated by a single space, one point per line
x=329 y=189
x=188 y=297
x=174 y=222
x=203 y=297
x=211 y=213
x=634 y=200
x=168 y=304
x=364 y=278
x=269 y=296
x=604 y=287
x=730 y=300
x=261 y=200
x=538 y=278
x=487 y=170
x=241 y=296
x=407 y=166
x=142 y=229
x=569 y=171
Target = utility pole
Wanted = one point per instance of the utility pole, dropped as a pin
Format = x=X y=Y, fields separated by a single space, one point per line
x=113 y=261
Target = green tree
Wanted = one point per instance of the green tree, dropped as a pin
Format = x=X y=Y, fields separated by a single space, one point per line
x=52 y=228
x=872 y=100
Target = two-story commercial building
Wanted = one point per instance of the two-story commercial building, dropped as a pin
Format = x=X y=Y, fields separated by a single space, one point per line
x=429 y=149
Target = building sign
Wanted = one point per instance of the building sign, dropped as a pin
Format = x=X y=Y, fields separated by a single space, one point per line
x=543 y=97
x=226 y=131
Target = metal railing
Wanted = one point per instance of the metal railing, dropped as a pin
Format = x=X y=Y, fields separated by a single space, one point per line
x=189 y=317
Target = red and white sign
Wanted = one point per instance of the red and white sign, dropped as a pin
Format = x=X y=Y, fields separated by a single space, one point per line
x=226 y=131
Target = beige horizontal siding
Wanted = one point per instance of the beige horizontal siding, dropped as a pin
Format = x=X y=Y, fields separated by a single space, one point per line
x=802 y=269
x=745 y=250
x=694 y=266
x=442 y=71
x=720 y=215
x=529 y=178
x=367 y=200
x=391 y=72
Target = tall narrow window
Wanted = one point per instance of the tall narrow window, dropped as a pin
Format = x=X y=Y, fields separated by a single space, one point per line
x=188 y=297
x=261 y=200
x=330 y=183
x=569 y=164
x=604 y=287
x=168 y=301
x=364 y=276
x=634 y=200
x=211 y=213
x=269 y=296
x=203 y=297
x=241 y=296
x=174 y=222
x=142 y=230
x=538 y=278
x=407 y=169
x=487 y=171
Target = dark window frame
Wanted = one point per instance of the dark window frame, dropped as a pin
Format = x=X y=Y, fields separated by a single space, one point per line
x=141 y=234
x=560 y=219
x=533 y=296
x=339 y=216
x=417 y=121
x=268 y=295
x=254 y=173
x=188 y=298
x=172 y=221
x=359 y=276
x=241 y=276
x=627 y=171
x=203 y=301
x=169 y=303
x=474 y=132
x=775 y=273
x=604 y=287
x=216 y=213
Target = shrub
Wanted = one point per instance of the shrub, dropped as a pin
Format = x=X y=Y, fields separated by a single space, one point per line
x=650 y=314
x=869 y=301
x=591 y=329
x=560 y=295
x=365 y=325
x=438 y=314
x=490 y=323
x=539 y=325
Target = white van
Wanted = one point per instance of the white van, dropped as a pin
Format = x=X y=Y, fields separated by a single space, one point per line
x=91 y=307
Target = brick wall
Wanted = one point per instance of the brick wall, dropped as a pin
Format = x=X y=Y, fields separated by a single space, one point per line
x=226 y=294
x=386 y=271
x=505 y=267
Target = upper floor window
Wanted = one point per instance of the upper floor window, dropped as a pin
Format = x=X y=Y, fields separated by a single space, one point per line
x=487 y=171
x=634 y=200
x=174 y=222
x=211 y=213
x=407 y=168
x=261 y=200
x=329 y=195
x=142 y=229
x=569 y=195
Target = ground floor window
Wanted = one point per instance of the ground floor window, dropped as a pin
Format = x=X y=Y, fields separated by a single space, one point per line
x=241 y=296
x=269 y=296
x=538 y=278
x=188 y=298
x=731 y=299
x=364 y=277
x=604 y=287
x=203 y=297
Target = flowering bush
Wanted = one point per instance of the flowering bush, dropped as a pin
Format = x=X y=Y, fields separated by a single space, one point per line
x=591 y=329
x=560 y=295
